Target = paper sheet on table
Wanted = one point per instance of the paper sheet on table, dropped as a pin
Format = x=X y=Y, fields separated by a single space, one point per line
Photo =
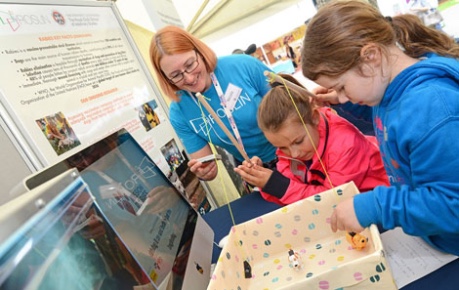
x=410 y=258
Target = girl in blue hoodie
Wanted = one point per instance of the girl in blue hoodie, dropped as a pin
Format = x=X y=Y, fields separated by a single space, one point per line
x=409 y=74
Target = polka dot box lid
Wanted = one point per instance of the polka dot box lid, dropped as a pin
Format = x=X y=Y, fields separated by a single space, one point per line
x=259 y=253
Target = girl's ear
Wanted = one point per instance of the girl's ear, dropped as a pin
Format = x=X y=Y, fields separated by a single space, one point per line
x=371 y=59
x=370 y=53
x=315 y=117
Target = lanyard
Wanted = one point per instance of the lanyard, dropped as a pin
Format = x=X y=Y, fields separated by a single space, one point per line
x=228 y=113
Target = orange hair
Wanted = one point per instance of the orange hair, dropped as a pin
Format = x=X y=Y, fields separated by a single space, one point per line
x=172 y=40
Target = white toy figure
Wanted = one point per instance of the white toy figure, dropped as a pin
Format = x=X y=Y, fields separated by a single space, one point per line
x=295 y=260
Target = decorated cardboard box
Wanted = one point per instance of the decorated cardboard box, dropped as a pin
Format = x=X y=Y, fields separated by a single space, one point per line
x=294 y=248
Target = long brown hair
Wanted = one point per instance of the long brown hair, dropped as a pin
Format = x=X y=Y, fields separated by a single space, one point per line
x=278 y=106
x=418 y=39
x=172 y=40
x=336 y=34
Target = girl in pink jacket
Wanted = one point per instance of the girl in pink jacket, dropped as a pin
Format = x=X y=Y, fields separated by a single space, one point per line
x=320 y=151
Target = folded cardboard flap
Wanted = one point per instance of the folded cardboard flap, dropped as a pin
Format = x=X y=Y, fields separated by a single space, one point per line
x=328 y=260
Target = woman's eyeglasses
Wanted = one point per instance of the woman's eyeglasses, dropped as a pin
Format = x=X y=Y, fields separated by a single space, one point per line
x=189 y=68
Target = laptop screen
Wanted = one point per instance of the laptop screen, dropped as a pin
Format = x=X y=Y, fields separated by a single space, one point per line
x=69 y=244
x=150 y=216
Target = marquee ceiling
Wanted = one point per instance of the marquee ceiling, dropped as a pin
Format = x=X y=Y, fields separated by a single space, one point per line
x=226 y=13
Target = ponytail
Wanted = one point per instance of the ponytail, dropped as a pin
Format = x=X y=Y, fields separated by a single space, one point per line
x=336 y=34
x=418 y=39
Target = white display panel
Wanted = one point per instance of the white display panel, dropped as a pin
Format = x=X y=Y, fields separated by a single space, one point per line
x=71 y=74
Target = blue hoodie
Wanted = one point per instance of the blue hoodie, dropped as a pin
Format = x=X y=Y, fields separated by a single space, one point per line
x=417 y=126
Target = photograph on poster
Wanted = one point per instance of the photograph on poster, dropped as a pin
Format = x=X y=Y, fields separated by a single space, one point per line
x=58 y=132
x=183 y=179
x=172 y=154
x=147 y=115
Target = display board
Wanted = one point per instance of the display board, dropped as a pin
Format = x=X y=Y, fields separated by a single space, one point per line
x=71 y=74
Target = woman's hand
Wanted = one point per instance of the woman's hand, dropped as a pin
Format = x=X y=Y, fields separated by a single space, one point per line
x=253 y=172
x=204 y=171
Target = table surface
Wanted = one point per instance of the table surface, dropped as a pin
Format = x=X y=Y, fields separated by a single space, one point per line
x=253 y=205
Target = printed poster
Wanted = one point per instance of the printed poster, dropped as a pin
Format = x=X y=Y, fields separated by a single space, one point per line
x=71 y=76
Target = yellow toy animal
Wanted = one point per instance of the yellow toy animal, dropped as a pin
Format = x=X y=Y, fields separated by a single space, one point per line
x=357 y=241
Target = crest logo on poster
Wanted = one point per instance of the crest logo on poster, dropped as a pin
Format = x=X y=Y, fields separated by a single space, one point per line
x=59 y=18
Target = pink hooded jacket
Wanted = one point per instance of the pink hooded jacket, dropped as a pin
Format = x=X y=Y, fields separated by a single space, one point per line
x=347 y=155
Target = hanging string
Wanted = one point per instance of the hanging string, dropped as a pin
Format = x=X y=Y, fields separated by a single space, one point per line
x=287 y=84
x=274 y=77
x=202 y=101
x=214 y=151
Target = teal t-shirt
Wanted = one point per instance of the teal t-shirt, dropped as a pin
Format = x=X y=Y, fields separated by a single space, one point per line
x=244 y=72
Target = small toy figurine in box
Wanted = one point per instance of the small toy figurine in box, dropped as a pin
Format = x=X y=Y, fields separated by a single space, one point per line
x=357 y=241
x=295 y=260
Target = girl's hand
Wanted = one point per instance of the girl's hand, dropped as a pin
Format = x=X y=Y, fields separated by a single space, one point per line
x=344 y=218
x=253 y=172
x=255 y=160
x=325 y=96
